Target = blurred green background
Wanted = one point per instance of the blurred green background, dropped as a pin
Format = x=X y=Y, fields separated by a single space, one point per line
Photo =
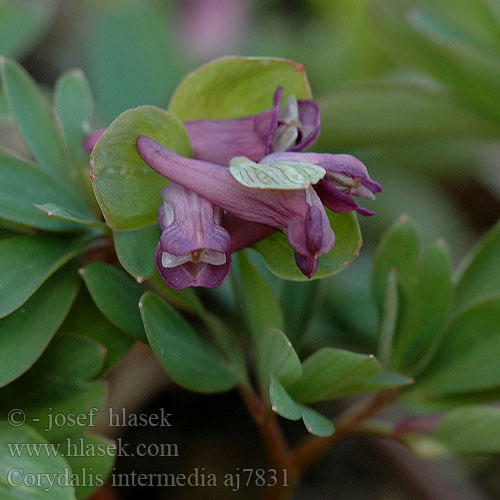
x=411 y=87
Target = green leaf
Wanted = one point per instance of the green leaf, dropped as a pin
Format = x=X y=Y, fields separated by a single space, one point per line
x=184 y=300
x=74 y=105
x=435 y=37
x=299 y=302
x=4 y=110
x=428 y=307
x=22 y=24
x=381 y=382
x=23 y=185
x=117 y=297
x=470 y=430
x=261 y=308
x=36 y=124
x=276 y=356
x=69 y=357
x=228 y=342
x=347 y=117
x=44 y=465
x=285 y=406
x=330 y=373
x=99 y=456
x=136 y=250
x=27 y=261
x=85 y=399
x=64 y=214
x=467 y=357
x=280 y=175
x=128 y=191
x=131 y=59
x=282 y=403
x=85 y=319
x=388 y=320
x=191 y=361
x=280 y=258
x=232 y=87
x=399 y=248
x=27 y=332
x=316 y=423
x=477 y=276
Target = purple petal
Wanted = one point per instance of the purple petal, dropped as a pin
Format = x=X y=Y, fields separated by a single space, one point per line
x=337 y=201
x=244 y=233
x=345 y=176
x=299 y=125
x=218 y=141
x=193 y=248
x=312 y=238
x=91 y=140
x=190 y=223
x=299 y=211
x=192 y=274
x=272 y=208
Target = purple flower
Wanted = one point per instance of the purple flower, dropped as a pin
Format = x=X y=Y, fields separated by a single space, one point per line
x=298 y=211
x=346 y=176
x=193 y=248
x=296 y=127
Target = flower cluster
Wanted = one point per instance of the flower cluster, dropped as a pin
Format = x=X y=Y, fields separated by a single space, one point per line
x=246 y=180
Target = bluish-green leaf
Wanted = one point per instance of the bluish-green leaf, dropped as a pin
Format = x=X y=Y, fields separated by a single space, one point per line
x=36 y=123
x=316 y=423
x=116 y=295
x=285 y=406
x=190 y=360
x=261 y=308
x=70 y=357
x=86 y=399
x=436 y=37
x=27 y=261
x=132 y=58
x=428 y=307
x=99 y=458
x=331 y=373
x=85 y=319
x=22 y=24
x=74 y=105
x=468 y=354
x=280 y=258
x=44 y=465
x=26 y=332
x=23 y=186
x=282 y=403
x=276 y=356
x=55 y=211
x=128 y=191
x=347 y=117
x=136 y=250
x=479 y=272
x=299 y=302
x=473 y=429
x=398 y=249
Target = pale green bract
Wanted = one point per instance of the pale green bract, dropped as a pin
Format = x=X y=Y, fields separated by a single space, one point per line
x=280 y=175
